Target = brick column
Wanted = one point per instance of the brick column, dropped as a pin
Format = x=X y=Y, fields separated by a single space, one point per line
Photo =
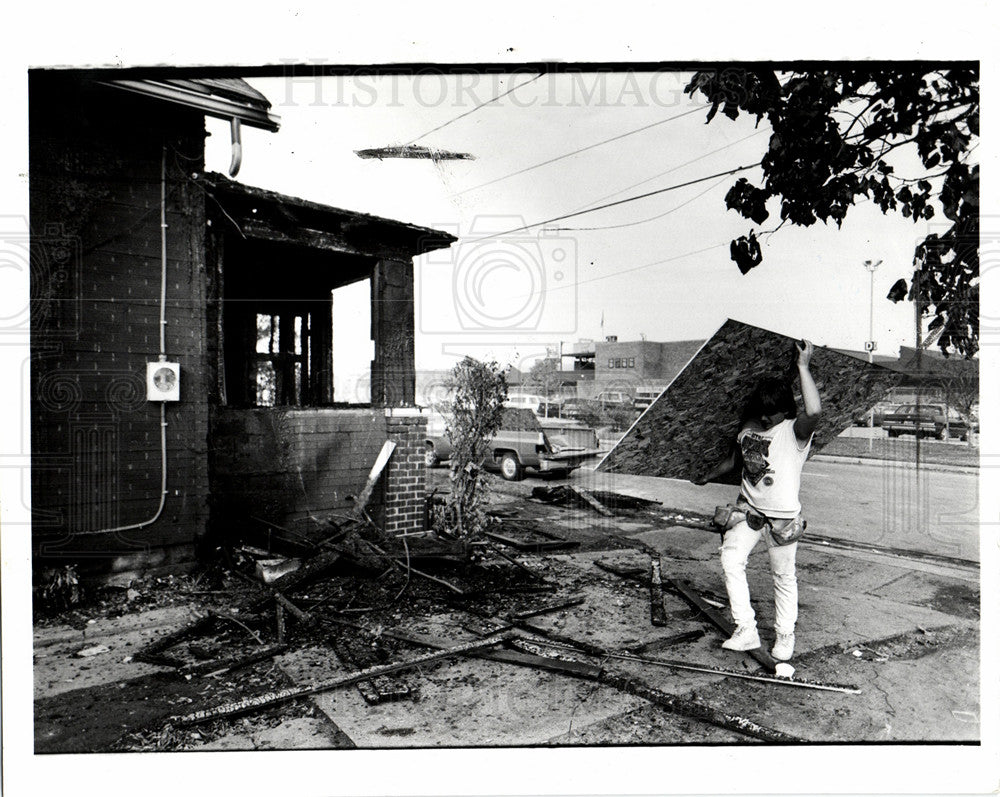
x=405 y=478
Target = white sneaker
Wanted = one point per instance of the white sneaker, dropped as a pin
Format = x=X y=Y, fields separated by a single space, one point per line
x=744 y=638
x=784 y=644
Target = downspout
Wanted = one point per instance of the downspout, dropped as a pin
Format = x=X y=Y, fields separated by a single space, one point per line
x=235 y=127
x=162 y=358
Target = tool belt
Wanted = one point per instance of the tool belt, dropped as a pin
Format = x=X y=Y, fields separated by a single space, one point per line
x=783 y=531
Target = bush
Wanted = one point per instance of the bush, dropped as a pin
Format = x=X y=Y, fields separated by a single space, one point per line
x=478 y=392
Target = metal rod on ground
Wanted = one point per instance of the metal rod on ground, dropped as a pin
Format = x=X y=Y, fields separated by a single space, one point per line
x=849 y=689
x=244 y=626
x=401 y=566
x=293 y=693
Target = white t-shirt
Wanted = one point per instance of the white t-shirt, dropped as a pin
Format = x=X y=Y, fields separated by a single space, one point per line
x=772 y=469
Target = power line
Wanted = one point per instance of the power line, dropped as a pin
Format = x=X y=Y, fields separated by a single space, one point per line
x=473 y=110
x=685 y=203
x=622 y=201
x=671 y=169
x=577 y=151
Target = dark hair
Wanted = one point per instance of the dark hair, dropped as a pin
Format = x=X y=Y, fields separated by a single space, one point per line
x=771 y=395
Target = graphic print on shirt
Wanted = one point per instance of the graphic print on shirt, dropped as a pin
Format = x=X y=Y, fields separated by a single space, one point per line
x=755 y=465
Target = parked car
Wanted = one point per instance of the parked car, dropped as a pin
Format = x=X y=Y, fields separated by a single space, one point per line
x=614 y=398
x=525 y=401
x=644 y=397
x=565 y=434
x=437 y=447
x=926 y=420
x=523 y=444
x=576 y=408
x=551 y=408
x=879 y=411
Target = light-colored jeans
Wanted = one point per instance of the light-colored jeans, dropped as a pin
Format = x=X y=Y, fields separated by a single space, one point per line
x=736 y=547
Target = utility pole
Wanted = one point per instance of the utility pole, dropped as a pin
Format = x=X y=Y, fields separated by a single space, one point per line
x=871 y=265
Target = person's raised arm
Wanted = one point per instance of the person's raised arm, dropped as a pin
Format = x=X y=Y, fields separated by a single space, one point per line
x=806 y=423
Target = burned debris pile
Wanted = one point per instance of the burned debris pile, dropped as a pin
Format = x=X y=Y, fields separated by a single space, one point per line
x=343 y=585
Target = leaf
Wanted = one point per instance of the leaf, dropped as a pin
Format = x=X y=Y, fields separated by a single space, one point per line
x=745 y=252
x=898 y=291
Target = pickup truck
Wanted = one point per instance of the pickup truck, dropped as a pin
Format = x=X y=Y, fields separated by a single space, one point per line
x=520 y=445
x=926 y=420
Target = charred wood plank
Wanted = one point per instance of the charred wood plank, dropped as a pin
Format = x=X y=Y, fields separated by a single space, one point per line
x=551 y=543
x=221 y=666
x=294 y=693
x=361 y=502
x=592 y=502
x=657 y=614
x=575 y=600
x=720 y=622
x=171 y=639
x=381 y=688
x=666 y=642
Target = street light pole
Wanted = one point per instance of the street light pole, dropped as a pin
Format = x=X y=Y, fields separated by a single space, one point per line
x=871 y=265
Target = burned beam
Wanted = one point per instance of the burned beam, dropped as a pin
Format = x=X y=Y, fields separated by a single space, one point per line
x=221 y=666
x=657 y=614
x=294 y=693
x=720 y=622
x=576 y=600
x=665 y=642
x=592 y=502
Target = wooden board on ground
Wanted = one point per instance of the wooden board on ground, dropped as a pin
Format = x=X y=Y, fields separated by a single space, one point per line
x=693 y=424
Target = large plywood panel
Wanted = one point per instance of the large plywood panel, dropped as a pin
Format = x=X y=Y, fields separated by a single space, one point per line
x=693 y=424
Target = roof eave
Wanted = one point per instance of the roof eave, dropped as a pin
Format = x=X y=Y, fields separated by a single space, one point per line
x=210 y=105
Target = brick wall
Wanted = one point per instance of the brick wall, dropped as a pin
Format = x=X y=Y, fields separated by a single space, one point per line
x=283 y=465
x=405 y=477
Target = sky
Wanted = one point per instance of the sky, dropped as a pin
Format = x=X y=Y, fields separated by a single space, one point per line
x=656 y=267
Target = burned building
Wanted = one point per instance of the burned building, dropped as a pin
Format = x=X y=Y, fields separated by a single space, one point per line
x=181 y=362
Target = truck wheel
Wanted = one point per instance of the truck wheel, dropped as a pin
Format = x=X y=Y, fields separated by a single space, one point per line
x=892 y=433
x=431 y=459
x=511 y=468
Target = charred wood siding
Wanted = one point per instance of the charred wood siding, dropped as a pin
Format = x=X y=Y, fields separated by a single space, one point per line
x=393 y=373
x=95 y=162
